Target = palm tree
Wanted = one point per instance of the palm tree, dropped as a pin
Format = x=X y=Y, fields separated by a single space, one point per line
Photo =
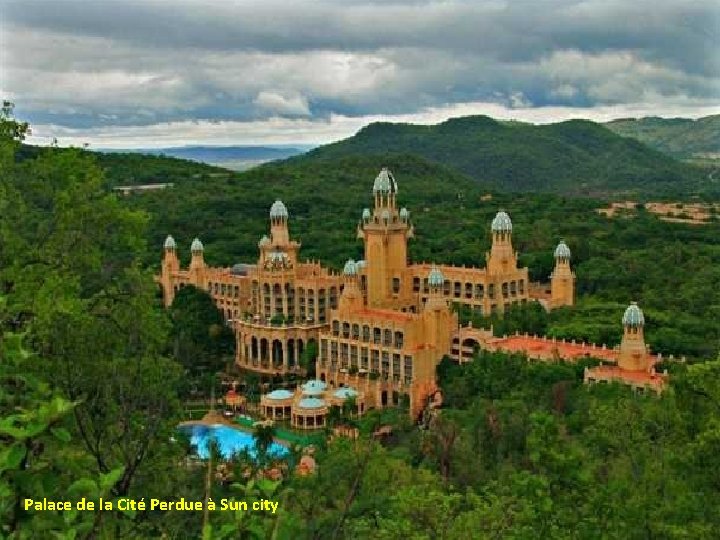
x=264 y=435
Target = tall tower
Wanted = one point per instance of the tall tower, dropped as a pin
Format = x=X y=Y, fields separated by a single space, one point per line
x=633 y=351
x=170 y=265
x=385 y=232
x=562 y=280
x=197 y=264
x=502 y=258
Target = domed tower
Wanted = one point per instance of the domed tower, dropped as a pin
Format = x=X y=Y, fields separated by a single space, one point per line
x=170 y=264
x=197 y=263
x=351 y=298
x=501 y=258
x=633 y=351
x=562 y=280
x=439 y=321
x=279 y=224
x=385 y=233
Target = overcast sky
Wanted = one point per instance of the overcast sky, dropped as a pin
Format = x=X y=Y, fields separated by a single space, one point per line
x=165 y=73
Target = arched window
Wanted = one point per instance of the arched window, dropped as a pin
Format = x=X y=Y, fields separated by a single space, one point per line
x=377 y=335
x=336 y=328
x=365 y=333
x=346 y=330
x=356 y=331
x=387 y=338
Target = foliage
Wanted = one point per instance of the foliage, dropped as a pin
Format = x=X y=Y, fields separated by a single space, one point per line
x=201 y=341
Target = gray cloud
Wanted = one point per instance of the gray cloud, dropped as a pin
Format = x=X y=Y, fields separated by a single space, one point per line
x=77 y=64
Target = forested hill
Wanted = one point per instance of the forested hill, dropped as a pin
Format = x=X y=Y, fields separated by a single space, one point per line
x=131 y=168
x=576 y=157
x=680 y=137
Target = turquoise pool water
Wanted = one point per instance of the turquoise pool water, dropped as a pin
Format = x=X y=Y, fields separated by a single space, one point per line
x=230 y=440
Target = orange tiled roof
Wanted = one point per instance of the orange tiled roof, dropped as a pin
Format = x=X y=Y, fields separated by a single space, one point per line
x=641 y=377
x=546 y=348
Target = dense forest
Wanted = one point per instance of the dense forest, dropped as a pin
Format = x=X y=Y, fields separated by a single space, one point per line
x=577 y=157
x=94 y=371
x=680 y=137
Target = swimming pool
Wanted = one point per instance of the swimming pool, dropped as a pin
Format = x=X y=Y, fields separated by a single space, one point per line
x=230 y=440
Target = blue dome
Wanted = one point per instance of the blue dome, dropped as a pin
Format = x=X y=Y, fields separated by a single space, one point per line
x=385 y=182
x=501 y=222
x=278 y=210
x=366 y=214
x=196 y=245
x=170 y=242
x=345 y=393
x=633 y=316
x=314 y=387
x=311 y=403
x=350 y=268
x=562 y=251
x=280 y=394
x=435 y=277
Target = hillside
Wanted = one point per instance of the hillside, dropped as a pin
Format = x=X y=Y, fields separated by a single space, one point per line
x=577 y=157
x=680 y=137
x=132 y=168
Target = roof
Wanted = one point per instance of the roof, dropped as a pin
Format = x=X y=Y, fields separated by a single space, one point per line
x=279 y=394
x=387 y=314
x=314 y=387
x=435 y=277
x=169 y=242
x=634 y=377
x=311 y=403
x=562 y=251
x=350 y=268
x=278 y=210
x=501 y=222
x=540 y=347
x=385 y=182
x=196 y=245
x=633 y=316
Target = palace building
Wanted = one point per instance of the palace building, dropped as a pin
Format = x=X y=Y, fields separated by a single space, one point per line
x=381 y=326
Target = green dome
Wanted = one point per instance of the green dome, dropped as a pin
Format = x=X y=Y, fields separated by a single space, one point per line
x=385 y=182
x=278 y=210
x=562 y=251
x=501 y=222
x=633 y=316
x=435 y=277
x=350 y=268
x=196 y=246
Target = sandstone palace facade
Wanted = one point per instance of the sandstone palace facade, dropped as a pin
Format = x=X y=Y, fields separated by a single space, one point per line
x=379 y=327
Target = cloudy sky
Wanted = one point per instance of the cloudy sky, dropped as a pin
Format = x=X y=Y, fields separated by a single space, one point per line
x=163 y=73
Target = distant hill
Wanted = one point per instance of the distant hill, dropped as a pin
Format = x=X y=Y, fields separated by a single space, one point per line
x=680 y=137
x=237 y=158
x=576 y=157
x=132 y=168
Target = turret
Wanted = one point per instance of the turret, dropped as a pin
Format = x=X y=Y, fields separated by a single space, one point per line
x=633 y=352
x=170 y=264
x=501 y=258
x=351 y=297
x=562 y=280
x=197 y=264
x=279 y=224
